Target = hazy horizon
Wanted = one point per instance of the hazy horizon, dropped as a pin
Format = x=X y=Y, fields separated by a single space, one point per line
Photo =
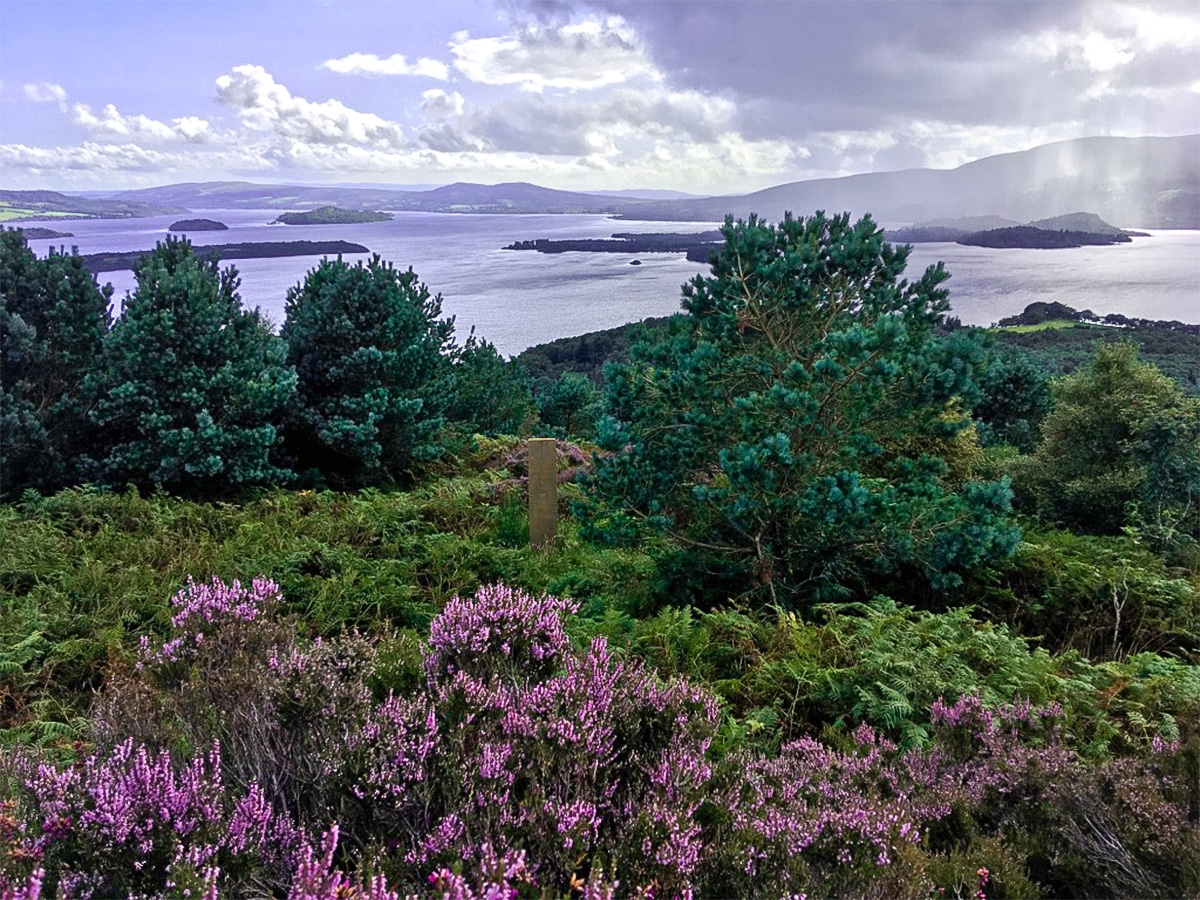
x=703 y=98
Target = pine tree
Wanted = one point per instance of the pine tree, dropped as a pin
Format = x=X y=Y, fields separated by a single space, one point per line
x=374 y=365
x=1016 y=397
x=491 y=394
x=788 y=434
x=195 y=387
x=53 y=319
x=571 y=406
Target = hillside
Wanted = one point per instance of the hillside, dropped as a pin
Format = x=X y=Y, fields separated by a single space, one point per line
x=16 y=206
x=1080 y=221
x=1151 y=182
x=836 y=598
x=1173 y=347
x=993 y=231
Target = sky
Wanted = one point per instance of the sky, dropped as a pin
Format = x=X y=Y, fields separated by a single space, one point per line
x=701 y=97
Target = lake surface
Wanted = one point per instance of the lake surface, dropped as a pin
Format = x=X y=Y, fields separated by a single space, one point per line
x=517 y=299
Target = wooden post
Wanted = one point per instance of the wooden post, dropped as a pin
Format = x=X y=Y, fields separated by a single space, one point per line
x=543 y=492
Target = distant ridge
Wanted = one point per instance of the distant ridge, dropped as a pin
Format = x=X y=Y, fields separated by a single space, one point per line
x=1142 y=182
x=635 y=194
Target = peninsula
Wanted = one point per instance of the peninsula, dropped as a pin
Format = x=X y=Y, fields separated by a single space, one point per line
x=332 y=215
x=114 y=262
x=35 y=233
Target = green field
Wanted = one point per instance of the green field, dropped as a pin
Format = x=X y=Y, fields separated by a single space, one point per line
x=18 y=213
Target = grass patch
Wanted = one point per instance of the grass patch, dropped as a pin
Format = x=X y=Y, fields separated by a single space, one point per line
x=1050 y=325
x=84 y=574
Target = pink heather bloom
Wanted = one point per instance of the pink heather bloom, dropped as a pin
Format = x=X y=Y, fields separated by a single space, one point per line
x=206 y=607
x=30 y=890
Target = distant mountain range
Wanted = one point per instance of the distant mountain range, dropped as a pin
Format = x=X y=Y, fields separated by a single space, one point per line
x=1146 y=182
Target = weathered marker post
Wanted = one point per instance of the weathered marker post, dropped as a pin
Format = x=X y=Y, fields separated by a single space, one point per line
x=543 y=492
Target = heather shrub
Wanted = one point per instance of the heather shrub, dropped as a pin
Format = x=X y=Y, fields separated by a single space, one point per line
x=1121 y=828
x=134 y=822
x=507 y=758
x=995 y=803
x=1125 y=828
x=583 y=761
x=578 y=758
x=232 y=672
x=814 y=819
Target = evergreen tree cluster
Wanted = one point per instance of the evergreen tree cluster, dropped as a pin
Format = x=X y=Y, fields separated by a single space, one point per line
x=189 y=392
x=810 y=424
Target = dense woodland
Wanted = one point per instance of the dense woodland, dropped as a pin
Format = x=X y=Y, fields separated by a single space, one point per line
x=847 y=600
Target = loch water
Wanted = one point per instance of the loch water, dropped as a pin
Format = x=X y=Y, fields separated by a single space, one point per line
x=517 y=299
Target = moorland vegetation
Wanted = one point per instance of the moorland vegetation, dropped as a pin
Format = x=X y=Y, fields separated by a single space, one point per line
x=846 y=601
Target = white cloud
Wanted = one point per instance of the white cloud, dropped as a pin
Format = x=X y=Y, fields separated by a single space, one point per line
x=626 y=131
x=266 y=105
x=592 y=54
x=192 y=128
x=89 y=157
x=95 y=162
x=47 y=92
x=1113 y=36
x=372 y=65
x=438 y=103
x=1097 y=52
x=1155 y=27
x=110 y=121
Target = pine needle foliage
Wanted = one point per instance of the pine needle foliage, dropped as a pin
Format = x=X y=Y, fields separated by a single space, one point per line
x=787 y=433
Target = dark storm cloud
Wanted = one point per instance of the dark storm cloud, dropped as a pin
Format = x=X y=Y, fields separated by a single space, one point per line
x=798 y=68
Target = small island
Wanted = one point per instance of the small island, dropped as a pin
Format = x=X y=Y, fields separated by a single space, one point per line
x=198 y=225
x=37 y=234
x=331 y=215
